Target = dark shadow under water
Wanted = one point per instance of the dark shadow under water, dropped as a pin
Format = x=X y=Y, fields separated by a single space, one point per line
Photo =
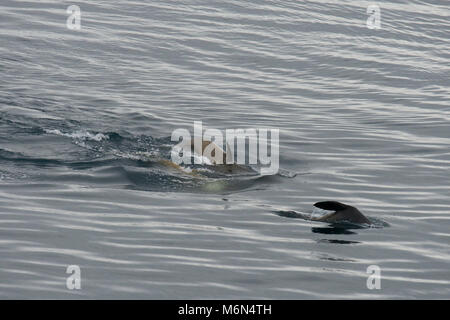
x=341 y=227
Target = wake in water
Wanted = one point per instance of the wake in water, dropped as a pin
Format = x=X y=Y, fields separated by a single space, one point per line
x=110 y=159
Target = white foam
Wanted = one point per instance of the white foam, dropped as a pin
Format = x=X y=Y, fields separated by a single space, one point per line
x=80 y=135
x=319 y=213
x=197 y=158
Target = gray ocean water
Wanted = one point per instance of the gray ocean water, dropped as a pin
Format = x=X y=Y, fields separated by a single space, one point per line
x=363 y=115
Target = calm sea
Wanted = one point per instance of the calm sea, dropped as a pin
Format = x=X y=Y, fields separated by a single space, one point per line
x=363 y=114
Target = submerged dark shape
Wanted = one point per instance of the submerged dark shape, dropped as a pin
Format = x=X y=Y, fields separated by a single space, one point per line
x=342 y=212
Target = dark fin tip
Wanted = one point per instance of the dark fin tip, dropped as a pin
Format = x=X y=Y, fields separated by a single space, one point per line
x=330 y=205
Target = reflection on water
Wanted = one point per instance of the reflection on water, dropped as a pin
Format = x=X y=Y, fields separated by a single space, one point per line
x=86 y=116
x=331 y=230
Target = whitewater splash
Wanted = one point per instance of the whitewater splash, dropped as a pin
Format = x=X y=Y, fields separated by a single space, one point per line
x=81 y=135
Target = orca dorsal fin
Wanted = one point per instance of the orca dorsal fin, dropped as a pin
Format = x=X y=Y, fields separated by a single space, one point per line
x=331 y=205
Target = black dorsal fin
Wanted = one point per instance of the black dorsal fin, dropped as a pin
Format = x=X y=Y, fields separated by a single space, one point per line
x=331 y=205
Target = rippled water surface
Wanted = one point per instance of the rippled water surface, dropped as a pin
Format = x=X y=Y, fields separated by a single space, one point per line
x=86 y=116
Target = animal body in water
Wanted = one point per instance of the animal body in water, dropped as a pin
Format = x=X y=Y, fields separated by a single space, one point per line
x=342 y=212
x=214 y=157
